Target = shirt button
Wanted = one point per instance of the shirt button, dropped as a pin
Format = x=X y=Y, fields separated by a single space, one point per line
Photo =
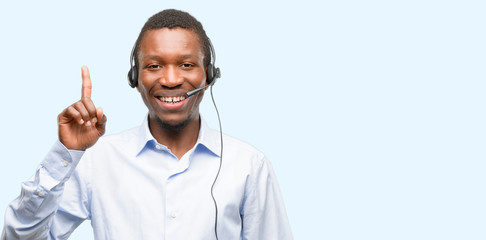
x=40 y=194
x=65 y=163
x=157 y=146
x=173 y=215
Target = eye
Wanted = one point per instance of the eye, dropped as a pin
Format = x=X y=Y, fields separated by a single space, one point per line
x=187 y=65
x=153 y=66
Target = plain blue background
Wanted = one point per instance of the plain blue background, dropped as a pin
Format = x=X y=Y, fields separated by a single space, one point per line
x=372 y=112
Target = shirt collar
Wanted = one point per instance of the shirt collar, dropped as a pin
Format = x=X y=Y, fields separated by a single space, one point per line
x=144 y=136
x=208 y=138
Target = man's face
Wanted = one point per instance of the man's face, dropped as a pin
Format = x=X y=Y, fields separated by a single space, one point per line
x=171 y=64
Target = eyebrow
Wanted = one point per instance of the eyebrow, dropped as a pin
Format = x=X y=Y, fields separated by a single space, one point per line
x=184 y=56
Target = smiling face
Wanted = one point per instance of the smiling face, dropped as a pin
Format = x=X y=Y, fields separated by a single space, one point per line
x=171 y=63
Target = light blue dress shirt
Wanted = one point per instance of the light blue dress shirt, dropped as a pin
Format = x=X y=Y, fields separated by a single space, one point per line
x=132 y=187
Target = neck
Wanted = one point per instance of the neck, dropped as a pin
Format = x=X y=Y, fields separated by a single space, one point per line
x=179 y=140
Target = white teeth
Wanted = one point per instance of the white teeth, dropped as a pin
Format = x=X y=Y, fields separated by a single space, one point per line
x=172 y=99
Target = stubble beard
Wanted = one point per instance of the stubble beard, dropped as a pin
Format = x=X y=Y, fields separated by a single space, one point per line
x=173 y=126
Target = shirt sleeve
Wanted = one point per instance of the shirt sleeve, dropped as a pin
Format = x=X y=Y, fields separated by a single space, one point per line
x=264 y=215
x=31 y=215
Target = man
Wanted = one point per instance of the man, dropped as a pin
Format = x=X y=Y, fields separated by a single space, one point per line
x=170 y=178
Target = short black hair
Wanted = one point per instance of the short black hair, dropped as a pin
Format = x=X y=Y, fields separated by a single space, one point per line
x=172 y=18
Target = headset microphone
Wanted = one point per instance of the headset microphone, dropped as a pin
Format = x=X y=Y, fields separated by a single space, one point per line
x=195 y=91
x=215 y=75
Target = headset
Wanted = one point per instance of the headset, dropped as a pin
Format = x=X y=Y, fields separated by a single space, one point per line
x=212 y=74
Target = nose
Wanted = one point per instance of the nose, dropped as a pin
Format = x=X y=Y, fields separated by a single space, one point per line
x=171 y=77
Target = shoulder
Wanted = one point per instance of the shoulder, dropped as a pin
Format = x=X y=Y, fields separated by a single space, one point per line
x=236 y=149
x=126 y=140
x=127 y=135
x=240 y=145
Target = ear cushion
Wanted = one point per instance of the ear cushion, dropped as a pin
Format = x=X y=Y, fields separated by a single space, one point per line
x=133 y=77
x=210 y=74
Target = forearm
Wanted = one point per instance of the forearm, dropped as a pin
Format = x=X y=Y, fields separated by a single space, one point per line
x=29 y=215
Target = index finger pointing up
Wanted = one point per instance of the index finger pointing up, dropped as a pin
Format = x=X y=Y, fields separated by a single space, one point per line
x=86 y=89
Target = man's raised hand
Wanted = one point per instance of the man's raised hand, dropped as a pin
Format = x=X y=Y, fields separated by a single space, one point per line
x=81 y=124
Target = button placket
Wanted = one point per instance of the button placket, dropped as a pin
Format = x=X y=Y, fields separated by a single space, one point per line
x=171 y=205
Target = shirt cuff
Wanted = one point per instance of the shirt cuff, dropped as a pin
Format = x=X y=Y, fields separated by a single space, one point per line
x=58 y=165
